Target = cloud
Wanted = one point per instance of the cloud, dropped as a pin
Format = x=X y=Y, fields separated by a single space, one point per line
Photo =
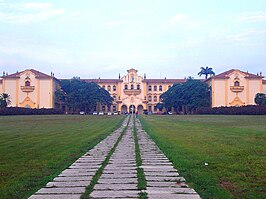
x=25 y=13
x=251 y=17
x=35 y=6
x=242 y=36
x=116 y=23
x=181 y=20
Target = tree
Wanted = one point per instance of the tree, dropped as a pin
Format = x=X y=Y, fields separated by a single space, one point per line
x=206 y=71
x=80 y=95
x=187 y=96
x=260 y=99
x=4 y=100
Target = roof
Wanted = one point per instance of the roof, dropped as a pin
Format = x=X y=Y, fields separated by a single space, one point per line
x=37 y=73
x=225 y=74
x=105 y=81
x=170 y=81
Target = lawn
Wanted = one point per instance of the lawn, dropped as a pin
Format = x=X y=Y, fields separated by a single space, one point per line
x=233 y=146
x=34 y=149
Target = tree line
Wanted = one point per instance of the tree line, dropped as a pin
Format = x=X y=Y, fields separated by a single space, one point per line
x=78 y=95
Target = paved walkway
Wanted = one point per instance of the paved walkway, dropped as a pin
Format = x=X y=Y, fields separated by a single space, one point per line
x=119 y=177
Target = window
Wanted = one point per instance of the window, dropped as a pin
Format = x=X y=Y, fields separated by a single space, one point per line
x=236 y=83
x=109 y=88
x=138 y=87
x=149 y=98
x=132 y=86
x=155 y=98
x=126 y=87
x=114 y=88
x=114 y=97
x=103 y=86
x=114 y=108
x=160 y=88
x=27 y=83
x=155 y=88
x=149 y=87
x=169 y=86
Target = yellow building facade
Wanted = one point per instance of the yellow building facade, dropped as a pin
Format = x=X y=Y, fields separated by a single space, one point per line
x=34 y=89
x=30 y=88
x=235 y=88
x=133 y=91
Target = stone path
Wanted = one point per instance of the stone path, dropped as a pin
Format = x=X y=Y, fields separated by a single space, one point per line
x=71 y=183
x=119 y=177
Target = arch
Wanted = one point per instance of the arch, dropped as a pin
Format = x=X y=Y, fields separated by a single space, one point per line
x=138 y=87
x=27 y=106
x=155 y=88
x=236 y=83
x=132 y=86
x=155 y=98
x=160 y=88
x=140 y=109
x=132 y=108
x=149 y=88
x=124 y=109
x=109 y=88
x=27 y=83
x=114 y=87
x=126 y=87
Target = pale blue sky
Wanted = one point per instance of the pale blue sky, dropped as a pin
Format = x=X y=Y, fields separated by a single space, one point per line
x=162 y=38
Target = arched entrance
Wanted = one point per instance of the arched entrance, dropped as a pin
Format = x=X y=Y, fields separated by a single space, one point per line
x=132 y=108
x=124 y=109
x=140 y=109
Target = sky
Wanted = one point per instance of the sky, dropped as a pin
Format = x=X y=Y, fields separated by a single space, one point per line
x=162 y=38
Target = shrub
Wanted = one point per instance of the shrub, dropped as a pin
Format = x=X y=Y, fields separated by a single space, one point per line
x=242 y=110
x=28 y=111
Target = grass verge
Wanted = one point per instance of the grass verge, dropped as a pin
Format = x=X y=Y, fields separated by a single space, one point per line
x=140 y=173
x=99 y=172
x=35 y=149
x=233 y=147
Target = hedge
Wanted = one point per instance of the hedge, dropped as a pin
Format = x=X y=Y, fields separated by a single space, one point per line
x=28 y=111
x=242 y=110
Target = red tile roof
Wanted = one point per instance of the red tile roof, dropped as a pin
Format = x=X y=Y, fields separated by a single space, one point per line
x=105 y=81
x=37 y=73
x=169 y=81
x=226 y=73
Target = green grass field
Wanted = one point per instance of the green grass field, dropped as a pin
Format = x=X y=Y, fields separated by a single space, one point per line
x=34 y=149
x=233 y=146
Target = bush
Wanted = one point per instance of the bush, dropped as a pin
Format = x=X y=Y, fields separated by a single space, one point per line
x=28 y=111
x=242 y=110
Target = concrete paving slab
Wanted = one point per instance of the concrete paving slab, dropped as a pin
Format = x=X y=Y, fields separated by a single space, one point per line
x=68 y=184
x=115 y=187
x=115 y=194
x=68 y=190
x=72 y=178
x=173 y=196
x=56 y=196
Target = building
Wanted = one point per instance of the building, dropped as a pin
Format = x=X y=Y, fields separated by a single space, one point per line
x=235 y=88
x=134 y=92
x=31 y=88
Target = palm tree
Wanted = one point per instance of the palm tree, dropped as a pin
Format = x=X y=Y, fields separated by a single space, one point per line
x=206 y=71
x=4 y=100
